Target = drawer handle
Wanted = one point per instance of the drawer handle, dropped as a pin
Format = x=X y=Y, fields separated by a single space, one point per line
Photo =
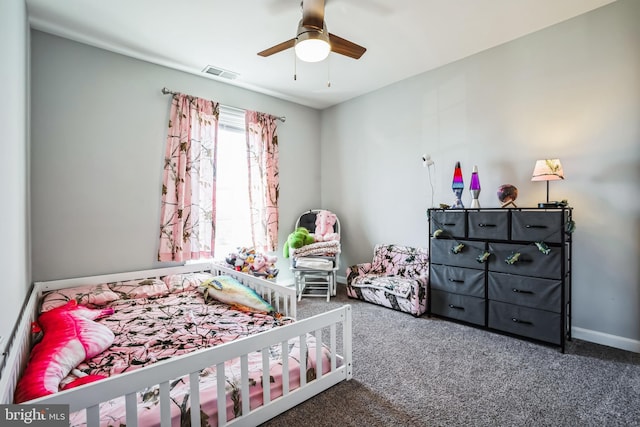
x=535 y=226
x=519 y=291
x=450 y=224
x=482 y=225
x=457 y=307
x=456 y=280
x=523 y=322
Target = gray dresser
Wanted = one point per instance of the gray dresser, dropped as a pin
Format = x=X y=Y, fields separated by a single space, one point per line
x=507 y=270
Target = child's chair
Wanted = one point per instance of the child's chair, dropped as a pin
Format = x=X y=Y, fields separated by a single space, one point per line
x=396 y=278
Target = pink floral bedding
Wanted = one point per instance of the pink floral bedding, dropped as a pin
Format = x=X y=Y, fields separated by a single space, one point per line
x=176 y=321
x=148 y=330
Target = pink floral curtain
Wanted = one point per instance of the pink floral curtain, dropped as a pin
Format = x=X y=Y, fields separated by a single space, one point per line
x=188 y=214
x=264 y=185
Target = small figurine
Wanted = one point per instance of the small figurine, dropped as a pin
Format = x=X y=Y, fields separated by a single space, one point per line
x=542 y=247
x=483 y=257
x=457 y=248
x=513 y=258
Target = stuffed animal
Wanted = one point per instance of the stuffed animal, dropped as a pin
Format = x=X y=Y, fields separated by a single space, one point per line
x=70 y=336
x=264 y=266
x=271 y=259
x=325 y=220
x=234 y=261
x=296 y=240
x=248 y=260
x=242 y=259
x=230 y=291
x=259 y=264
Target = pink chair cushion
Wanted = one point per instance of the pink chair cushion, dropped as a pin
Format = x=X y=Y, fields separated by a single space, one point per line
x=400 y=260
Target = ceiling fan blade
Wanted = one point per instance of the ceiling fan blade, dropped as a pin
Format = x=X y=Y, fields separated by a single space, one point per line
x=278 y=48
x=313 y=13
x=345 y=47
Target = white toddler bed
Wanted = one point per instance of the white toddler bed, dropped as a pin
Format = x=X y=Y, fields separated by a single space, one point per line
x=326 y=329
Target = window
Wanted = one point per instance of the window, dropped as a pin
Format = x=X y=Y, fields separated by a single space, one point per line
x=188 y=206
x=233 y=225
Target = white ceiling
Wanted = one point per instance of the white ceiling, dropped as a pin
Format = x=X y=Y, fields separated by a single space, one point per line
x=403 y=37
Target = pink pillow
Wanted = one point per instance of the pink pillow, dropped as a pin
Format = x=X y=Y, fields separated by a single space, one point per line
x=186 y=281
x=83 y=295
x=104 y=293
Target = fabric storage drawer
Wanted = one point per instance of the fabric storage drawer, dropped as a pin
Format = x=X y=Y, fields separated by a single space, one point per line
x=528 y=322
x=461 y=307
x=459 y=280
x=488 y=225
x=544 y=294
x=531 y=262
x=451 y=222
x=537 y=226
x=442 y=252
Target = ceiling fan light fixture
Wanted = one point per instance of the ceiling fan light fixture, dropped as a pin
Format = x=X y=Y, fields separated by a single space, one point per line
x=312 y=50
x=312 y=44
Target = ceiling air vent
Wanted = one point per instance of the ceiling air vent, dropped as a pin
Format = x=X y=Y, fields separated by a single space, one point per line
x=219 y=72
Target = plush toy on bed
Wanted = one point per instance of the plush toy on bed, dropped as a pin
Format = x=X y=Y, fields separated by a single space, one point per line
x=325 y=220
x=70 y=336
x=296 y=240
x=230 y=291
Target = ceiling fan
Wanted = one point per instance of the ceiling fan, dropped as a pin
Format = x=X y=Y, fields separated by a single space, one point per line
x=313 y=42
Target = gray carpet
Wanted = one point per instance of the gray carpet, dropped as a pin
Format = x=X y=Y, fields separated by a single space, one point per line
x=425 y=371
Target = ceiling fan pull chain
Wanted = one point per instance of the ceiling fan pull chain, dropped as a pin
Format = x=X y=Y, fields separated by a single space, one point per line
x=295 y=63
x=328 y=72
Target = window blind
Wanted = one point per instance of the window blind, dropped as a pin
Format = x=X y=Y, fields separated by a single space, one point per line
x=231 y=119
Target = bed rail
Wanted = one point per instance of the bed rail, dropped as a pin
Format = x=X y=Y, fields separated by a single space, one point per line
x=283 y=298
x=119 y=277
x=16 y=352
x=323 y=326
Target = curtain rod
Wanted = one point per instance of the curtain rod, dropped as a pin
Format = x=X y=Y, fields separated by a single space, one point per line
x=166 y=91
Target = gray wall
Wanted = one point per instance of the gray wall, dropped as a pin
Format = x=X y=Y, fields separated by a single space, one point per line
x=570 y=91
x=14 y=257
x=98 y=135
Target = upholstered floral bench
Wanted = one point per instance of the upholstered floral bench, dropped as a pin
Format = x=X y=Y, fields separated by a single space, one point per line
x=396 y=278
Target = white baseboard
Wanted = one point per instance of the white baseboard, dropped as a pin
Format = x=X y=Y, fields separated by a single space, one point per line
x=606 y=339
x=587 y=335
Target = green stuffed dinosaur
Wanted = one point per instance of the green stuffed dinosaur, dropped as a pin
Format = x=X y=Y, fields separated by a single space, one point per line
x=296 y=240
